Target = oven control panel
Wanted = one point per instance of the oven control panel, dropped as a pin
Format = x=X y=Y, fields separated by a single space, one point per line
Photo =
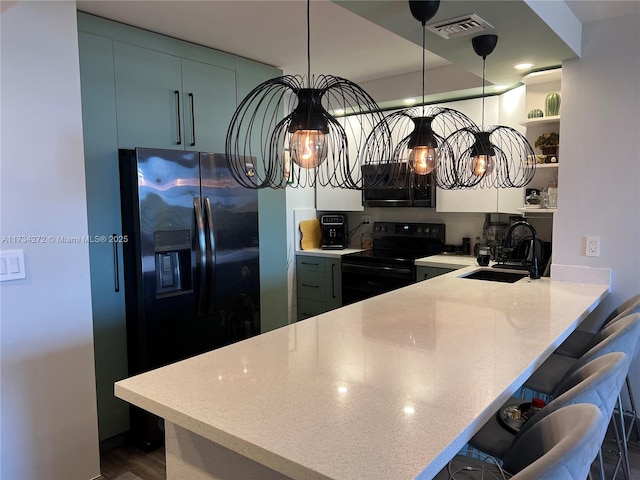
x=415 y=230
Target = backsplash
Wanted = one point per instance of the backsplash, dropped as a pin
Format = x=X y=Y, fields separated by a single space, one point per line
x=458 y=225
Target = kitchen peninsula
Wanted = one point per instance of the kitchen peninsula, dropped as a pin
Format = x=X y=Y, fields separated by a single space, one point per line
x=387 y=388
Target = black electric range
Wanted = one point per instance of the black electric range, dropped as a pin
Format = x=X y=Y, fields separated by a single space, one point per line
x=390 y=264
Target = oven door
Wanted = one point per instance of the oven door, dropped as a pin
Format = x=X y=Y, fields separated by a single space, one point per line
x=360 y=281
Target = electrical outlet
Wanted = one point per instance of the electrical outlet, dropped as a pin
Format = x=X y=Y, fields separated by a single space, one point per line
x=366 y=219
x=592 y=247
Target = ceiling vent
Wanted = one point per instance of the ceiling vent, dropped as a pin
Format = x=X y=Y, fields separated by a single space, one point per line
x=460 y=26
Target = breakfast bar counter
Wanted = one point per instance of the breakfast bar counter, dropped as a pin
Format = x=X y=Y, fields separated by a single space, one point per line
x=388 y=388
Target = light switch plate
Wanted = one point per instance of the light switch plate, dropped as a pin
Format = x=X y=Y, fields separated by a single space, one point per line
x=12 y=265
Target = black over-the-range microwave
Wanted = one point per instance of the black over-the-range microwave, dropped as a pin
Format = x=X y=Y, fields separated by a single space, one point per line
x=423 y=195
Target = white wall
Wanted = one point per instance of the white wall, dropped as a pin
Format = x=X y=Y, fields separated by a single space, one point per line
x=599 y=174
x=48 y=415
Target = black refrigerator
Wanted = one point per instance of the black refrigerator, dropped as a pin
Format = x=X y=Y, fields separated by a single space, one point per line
x=190 y=258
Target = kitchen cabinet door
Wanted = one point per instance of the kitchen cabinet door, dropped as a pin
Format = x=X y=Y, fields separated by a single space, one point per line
x=209 y=101
x=319 y=285
x=103 y=217
x=148 y=96
x=480 y=200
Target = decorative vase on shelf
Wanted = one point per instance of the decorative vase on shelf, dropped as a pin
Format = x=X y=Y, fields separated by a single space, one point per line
x=552 y=104
x=535 y=113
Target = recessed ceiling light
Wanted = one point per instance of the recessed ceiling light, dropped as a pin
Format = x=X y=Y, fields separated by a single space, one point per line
x=523 y=66
x=409 y=101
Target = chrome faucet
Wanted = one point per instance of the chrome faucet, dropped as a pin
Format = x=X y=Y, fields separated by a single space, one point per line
x=534 y=271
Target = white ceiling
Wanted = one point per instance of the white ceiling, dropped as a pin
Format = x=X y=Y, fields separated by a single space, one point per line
x=356 y=39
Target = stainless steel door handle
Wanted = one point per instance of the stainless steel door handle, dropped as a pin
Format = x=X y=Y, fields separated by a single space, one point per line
x=211 y=254
x=201 y=254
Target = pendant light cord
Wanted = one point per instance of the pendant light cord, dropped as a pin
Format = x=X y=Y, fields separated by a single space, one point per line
x=308 y=43
x=423 y=62
x=484 y=62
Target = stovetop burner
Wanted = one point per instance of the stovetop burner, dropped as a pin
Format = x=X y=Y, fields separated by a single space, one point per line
x=390 y=265
x=401 y=243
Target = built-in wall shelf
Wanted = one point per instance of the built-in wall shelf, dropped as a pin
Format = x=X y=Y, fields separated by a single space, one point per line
x=547 y=165
x=534 y=122
x=536 y=211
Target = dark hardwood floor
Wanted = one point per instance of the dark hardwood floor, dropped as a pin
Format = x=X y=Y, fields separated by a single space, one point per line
x=131 y=463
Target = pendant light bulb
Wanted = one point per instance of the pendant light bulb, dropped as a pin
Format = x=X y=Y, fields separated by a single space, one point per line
x=308 y=148
x=483 y=160
x=422 y=159
x=482 y=165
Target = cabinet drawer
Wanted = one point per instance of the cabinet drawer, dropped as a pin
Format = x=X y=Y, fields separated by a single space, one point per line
x=310 y=308
x=311 y=285
x=309 y=264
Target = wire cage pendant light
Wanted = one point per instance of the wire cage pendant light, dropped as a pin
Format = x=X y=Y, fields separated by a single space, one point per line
x=494 y=157
x=287 y=132
x=415 y=148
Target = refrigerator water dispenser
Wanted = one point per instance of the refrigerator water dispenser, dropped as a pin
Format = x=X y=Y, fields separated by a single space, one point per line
x=173 y=256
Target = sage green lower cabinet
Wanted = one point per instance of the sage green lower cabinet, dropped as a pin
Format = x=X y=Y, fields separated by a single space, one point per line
x=103 y=216
x=425 y=273
x=318 y=284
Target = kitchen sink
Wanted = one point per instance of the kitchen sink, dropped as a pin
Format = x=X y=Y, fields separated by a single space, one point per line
x=496 y=276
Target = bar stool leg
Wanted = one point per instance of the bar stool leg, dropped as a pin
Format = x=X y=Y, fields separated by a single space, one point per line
x=635 y=422
x=623 y=438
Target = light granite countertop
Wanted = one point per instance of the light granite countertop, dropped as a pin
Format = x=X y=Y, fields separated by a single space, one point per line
x=387 y=388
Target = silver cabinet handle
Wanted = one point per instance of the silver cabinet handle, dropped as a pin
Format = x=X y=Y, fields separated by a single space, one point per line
x=178 y=126
x=201 y=254
x=193 y=121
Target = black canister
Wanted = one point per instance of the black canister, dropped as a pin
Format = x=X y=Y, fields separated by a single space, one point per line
x=466 y=246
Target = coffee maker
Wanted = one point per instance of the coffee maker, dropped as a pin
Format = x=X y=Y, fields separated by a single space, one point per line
x=334 y=232
x=494 y=232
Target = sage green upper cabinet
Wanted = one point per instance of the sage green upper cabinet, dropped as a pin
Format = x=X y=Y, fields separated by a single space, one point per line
x=209 y=100
x=148 y=94
x=165 y=101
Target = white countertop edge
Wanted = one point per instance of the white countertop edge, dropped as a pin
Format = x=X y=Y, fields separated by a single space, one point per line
x=318 y=252
x=209 y=432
